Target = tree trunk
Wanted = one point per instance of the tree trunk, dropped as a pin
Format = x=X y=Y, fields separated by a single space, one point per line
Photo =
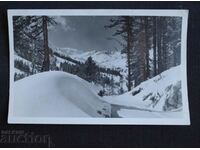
x=128 y=52
x=159 y=42
x=175 y=57
x=154 y=46
x=146 y=47
x=46 y=62
x=164 y=44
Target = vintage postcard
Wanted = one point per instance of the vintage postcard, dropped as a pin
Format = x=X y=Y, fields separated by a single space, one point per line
x=102 y=66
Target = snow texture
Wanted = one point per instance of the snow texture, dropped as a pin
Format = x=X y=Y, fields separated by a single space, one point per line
x=57 y=94
x=159 y=94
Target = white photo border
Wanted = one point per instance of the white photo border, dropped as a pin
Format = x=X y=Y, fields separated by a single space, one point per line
x=184 y=120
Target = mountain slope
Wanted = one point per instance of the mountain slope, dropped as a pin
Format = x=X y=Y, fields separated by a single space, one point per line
x=161 y=93
x=57 y=94
x=103 y=58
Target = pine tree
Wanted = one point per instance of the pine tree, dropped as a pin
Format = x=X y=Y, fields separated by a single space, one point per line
x=90 y=69
x=159 y=44
x=46 y=62
x=147 y=46
x=125 y=30
x=174 y=36
x=140 y=64
x=45 y=21
x=112 y=85
x=168 y=38
x=27 y=30
x=164 y=44
x=154 y=46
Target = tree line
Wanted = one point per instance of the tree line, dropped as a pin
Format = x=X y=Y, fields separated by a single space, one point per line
x=111 y=71
x=91 y=72
x=142 y=35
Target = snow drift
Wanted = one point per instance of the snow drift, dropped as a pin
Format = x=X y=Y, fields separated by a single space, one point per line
x=57 y=94
x=161 y=93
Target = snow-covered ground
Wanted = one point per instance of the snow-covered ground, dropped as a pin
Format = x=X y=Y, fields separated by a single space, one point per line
x=158 y=96
x=56 y=91
x=134 y=113
x=60 y=94
x=57 y=94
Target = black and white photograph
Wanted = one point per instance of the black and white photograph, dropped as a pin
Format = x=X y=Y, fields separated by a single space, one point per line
x=98 y=66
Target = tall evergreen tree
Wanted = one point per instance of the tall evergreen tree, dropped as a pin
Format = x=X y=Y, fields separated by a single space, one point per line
x=90 y=69
x=174 y=35
x=147 y=46
x=154 y=46
x=164 y=43
x=46 y=62
x=27 y=30
x=125 y=30
x=159 y=44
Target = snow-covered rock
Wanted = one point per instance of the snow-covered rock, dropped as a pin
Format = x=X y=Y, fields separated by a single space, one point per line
x=57 y=94
x=161 y=93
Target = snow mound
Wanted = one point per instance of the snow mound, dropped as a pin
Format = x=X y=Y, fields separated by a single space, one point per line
x=57 y=94
x=161 y=93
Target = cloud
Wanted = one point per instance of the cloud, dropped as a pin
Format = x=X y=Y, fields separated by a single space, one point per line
x=63 y=23
x=83 y=32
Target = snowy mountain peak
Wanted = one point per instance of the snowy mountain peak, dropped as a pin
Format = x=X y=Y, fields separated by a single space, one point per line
x=103 y=58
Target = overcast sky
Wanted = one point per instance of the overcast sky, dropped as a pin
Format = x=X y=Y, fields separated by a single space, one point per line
x=83 y=33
